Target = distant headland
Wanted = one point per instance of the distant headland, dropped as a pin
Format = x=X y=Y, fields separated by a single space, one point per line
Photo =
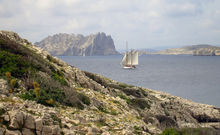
x=196 y=50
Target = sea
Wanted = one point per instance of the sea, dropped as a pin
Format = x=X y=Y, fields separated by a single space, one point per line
x=196 y=78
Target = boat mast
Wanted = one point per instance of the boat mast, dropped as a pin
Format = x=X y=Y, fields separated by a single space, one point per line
x=126 y=53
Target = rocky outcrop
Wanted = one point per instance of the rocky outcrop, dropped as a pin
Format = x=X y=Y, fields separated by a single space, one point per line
x=28 y=121
x=201 y=50
x=215 y=51
x=96 y=105
x=78 y=45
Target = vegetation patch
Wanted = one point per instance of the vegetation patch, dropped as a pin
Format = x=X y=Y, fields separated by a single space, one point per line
x=102 y=109
x=13 y=63
x=101 y=122
x=59 y=78
x=128 y=100
x=166 y=122
x=51 y=59
x=43 y=82
x=96 y=78
x=139 y=93
x=190 y=131
x=45 y=95
x=140 y=103
x=137 y=130
x=84 y=98
x=55 y=118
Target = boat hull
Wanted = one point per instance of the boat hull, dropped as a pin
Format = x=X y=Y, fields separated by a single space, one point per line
x=129 y=67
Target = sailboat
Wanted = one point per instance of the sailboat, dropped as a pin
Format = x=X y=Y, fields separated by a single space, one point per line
x=83 y=52
x=130 y=60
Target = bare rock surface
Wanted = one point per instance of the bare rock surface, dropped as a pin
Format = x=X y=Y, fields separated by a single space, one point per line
x=70 y=44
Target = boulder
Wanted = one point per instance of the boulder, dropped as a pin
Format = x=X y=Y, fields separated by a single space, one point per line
x=49 y=130
x=29 y=122
x=2 y=131
x=14 y=132
x=3 y=86
x=39 y=124
x=26 y=131
x=17 y=119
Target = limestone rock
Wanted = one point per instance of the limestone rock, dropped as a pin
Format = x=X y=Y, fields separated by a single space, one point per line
x=93 y=130
x=56 y=130
x=39 y=124
x=14 y=132
x=3 y=86
x=17 y=119
x=29 y=122
x=26 y=131
x=6 y=118
x=47 y=130
x=38 y=132
x=70 y=44
x=2 y=131
x=51 y=130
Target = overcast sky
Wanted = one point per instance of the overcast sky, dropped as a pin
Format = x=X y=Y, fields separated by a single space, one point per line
x=143 y=23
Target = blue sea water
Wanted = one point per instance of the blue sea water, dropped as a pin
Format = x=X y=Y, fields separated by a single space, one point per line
x=192 y=77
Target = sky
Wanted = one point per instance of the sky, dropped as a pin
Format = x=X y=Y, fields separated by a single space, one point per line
x=142 y=23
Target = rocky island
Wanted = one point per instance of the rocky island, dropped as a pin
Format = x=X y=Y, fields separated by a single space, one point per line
x=196 y=50
x=78 y=45
x=42 y=95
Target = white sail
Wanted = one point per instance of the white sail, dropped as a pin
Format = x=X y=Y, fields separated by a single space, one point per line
x=126 y=59
x=135 y=58
x=123 y=62
x=129 y=60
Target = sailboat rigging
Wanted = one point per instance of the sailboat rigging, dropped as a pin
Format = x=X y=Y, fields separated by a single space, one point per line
x=130 y=59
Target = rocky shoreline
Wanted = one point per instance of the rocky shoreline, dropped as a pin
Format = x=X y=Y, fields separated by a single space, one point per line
x=103 y=106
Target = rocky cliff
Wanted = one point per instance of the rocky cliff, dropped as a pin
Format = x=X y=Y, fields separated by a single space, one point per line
x=78 y=45
x=40 y=94
x=207 y=50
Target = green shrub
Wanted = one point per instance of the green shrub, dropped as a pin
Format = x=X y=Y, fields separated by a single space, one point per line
x=101 y=122
x=123 y=85
x=190 y=131
x=102 y=109
x=45 y=96
x=13 y=63
x=29 y=95
x=55 y=118
x=170 y=131
x=113 y=112
x=137 y=130
x=84 y=98
x=128 y=100
x=59 y=78
x=136 y=92
x=140 y=103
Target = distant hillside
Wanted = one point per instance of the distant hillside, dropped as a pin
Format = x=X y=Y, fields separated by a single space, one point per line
x=207 y=50
x=78 y=45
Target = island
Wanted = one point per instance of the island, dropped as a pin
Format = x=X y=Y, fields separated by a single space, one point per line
x=78 y=45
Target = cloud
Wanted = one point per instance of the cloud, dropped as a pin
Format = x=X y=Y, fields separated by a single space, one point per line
x=144 y=24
